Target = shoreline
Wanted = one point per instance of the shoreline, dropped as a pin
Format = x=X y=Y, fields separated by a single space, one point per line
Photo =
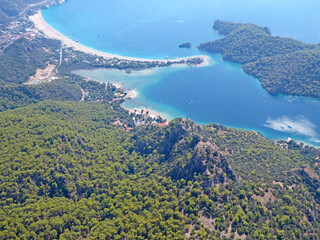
x=50 y=32
x=151 y=112
x=42 y=26
x=132 y=94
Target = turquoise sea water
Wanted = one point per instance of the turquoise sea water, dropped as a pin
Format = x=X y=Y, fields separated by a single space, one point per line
x=221 y=92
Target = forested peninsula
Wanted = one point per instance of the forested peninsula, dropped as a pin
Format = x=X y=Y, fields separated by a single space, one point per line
x=282 y=65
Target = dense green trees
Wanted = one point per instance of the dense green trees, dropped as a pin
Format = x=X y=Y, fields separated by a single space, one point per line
x=283 y=65
x=10 y=9
x=66 y=89
x=66 y=172
x=80 y=60
x=23 y=58
x=295 y=73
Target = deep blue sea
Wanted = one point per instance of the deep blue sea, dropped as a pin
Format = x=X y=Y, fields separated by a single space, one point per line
x=220 y=92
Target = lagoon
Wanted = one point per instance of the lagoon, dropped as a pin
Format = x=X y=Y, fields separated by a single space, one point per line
x=220 y=92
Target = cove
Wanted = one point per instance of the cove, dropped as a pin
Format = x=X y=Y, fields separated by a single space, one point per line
x=221 y=92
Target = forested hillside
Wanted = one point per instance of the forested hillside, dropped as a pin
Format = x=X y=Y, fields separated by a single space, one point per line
x=10 y=9
x=66 y=172
x=282 y=65
x=23 y=58
x=21 y=61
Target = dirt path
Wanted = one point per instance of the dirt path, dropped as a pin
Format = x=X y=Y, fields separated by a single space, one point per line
x=61 y=55
x=83 y=94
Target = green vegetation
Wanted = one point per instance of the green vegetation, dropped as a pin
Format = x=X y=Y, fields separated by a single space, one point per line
x=10 y=9
x=283 y=65
x=65 y=89
x=80 y=60
x=12 y=96
x=23 y=58
x=301 y=77
x=66 y=172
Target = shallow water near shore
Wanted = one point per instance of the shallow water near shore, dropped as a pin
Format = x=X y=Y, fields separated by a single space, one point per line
x=138 y=81
x=221 y=92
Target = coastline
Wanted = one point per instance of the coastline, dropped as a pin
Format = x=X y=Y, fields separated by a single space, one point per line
x=151 y=112
x=132 y=94
x=50 y=32
x=42 y=26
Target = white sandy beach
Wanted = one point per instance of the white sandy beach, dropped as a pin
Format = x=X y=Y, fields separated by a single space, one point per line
x=151 y=112
x=131 y=94
x=50 y=32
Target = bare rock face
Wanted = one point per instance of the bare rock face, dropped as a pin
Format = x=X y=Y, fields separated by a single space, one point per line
x=205 y=151
x=205 y=160
x=196 y=165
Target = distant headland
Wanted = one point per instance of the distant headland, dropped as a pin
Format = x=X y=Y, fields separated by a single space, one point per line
x=282 y=65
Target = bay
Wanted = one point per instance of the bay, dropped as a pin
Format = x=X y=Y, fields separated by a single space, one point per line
x=221 y=92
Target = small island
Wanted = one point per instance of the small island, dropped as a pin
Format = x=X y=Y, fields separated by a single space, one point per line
x=282 y=65
x=185 y=45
